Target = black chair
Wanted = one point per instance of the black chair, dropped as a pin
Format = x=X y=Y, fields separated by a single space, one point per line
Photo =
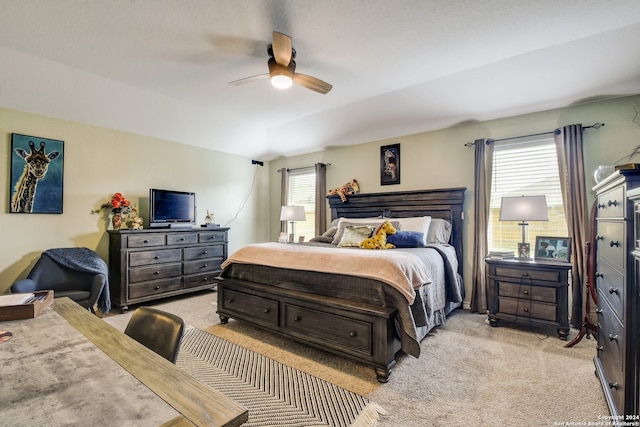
x=157 y=330
x=77 y=273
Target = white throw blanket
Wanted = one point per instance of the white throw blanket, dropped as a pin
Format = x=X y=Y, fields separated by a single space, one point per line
x=401 y=269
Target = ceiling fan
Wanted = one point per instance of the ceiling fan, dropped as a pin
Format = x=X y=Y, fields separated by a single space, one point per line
x=282 y=68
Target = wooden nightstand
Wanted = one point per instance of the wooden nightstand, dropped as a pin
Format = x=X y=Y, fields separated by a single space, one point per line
x=531 y=292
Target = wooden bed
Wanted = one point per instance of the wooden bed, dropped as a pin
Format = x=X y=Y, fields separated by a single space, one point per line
x=362 y=331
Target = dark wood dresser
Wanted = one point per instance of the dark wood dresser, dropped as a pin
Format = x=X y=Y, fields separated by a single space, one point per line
x=530 y=292
x=617 y=281
x=150 y=264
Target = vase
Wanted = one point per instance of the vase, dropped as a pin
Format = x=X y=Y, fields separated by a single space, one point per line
x=602 y=172
x=116 y=220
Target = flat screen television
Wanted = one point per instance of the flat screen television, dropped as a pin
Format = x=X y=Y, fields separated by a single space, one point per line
x=168 y=208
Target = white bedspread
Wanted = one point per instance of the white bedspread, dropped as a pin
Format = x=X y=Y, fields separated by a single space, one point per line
x=403 y=270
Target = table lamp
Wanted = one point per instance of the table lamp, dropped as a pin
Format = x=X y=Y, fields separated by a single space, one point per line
x=292 y=214
x=523 y=209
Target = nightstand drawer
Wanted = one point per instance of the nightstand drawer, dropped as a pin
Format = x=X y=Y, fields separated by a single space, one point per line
x=528 y=308
x=527 y=292
x=528 y=274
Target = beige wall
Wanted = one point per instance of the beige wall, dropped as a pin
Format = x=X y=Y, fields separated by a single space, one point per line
x=439 y=159
x=99 y=162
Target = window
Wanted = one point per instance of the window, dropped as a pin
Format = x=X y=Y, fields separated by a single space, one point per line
x=526 y=168
x=302 y=192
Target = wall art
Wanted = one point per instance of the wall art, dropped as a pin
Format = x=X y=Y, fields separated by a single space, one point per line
x=390 y=164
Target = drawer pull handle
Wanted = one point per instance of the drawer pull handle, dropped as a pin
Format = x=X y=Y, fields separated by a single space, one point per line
x=205 y=279
x=156 y=257
x=601 y=205
x=612 y=203
x=525 y=274
x=204 y=252
x=267 y=310
x=526 y=310
x=614 y=243
x=598 y=274
x=599 y=237
x=525 y=292
x=352 y=334
x=614 y=386
x=182 y=239
x=156 y=272
x=297 y=318
x=156 y=288
x=145 y=241
x=205 y=266
x=614 y=291
x=613 y=337
x=599 y=311
x=600 y=348
x=230 y=300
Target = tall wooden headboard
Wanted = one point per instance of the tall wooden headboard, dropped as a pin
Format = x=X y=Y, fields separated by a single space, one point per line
x=446 y=203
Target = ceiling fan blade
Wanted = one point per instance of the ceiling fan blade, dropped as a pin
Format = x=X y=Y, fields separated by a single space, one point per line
x=248 y=79
x=312 y=83
x=282 y=48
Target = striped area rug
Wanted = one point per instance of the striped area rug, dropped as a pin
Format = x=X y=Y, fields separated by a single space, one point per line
x=274 y=394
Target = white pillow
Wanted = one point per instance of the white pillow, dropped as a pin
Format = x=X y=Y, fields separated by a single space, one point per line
x=416 y=223
x=439 y=231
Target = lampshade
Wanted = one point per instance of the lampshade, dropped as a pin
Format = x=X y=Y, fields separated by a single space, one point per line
x=524 y=208
x=292 y=213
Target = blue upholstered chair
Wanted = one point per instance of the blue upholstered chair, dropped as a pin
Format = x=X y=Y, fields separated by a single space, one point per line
x=77 y=273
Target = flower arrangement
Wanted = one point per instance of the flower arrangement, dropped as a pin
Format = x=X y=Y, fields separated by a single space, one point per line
x=117 y=204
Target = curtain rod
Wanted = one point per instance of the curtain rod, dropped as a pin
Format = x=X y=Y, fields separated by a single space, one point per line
x=594 y=126
x=297 y=169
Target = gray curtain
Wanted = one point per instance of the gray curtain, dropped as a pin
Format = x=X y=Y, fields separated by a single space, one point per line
x=284 y=196
x=321 y=198
x=482 y=190
x=574 y=198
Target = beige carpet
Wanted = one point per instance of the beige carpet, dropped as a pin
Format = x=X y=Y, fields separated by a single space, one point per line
x=468 y=374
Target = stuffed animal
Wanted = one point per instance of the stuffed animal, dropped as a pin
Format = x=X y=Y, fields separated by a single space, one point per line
x=351 y=187
x=379 y=240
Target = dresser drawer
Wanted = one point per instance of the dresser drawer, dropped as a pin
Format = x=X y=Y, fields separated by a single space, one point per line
x=210 y=265
x=610 y=285
x=142 y=274
x=528 y=309
x=199 y=280
x=610 y=351
x=181 y=238
x=527 y=292
x=254 y=308
x=154 y=257
x=525 y=274
x=154 y=288
x=611 y=203
x=146 y=240
x=202 y=252
x=351 y=334
x=610 y=245
x=212 y=236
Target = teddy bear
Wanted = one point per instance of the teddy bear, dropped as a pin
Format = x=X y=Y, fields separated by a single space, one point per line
x=379 y=240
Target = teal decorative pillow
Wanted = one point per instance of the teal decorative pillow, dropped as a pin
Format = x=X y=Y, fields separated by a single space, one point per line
x=354 y=234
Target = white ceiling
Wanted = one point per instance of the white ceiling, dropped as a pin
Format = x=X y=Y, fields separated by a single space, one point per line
x=162 y=67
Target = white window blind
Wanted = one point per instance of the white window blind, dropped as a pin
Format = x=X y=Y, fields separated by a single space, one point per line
x=302 y=192
x=526 y=168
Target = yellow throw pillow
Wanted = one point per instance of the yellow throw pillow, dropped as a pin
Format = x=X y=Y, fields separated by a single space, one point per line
x=354 y=234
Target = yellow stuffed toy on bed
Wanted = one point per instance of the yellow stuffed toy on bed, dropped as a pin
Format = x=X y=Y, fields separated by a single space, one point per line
x=379 y=240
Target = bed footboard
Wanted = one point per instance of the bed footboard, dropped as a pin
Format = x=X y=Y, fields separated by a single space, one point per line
x=362 y=332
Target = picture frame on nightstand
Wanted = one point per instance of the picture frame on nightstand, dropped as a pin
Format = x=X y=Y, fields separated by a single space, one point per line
x=524 y=250
x=553 y=248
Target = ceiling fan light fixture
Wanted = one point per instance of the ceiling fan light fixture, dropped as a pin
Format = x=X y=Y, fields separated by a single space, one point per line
x=281 y=81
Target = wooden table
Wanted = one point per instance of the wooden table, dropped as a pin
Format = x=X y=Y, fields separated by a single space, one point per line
x=68 y=366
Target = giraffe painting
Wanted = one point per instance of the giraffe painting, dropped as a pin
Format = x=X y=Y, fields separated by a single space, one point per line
x=36 y=163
